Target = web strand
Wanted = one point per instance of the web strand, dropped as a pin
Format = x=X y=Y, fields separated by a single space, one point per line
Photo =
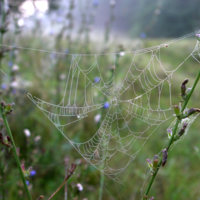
x=130 y=103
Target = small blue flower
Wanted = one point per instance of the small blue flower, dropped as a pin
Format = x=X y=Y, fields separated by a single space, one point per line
x=52 y=55
x=51 y=32
x=143 y=35
x=32 y=173
x=27 y=182
x=96 y=79
x=106 y=105
x=10 y=63
x=14 y=91
x=3 y=86
x=59 y=19
x=60 y=12
x=96 y=2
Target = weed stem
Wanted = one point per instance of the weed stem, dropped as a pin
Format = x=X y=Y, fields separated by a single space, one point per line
x=173 y=133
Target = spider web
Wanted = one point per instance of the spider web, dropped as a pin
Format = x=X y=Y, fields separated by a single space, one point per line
x=133 y=114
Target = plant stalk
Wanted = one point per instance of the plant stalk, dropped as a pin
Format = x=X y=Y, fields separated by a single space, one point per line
x=70 y=172
x=103 y=163
x=15 y=152
x=2 y=179
x=173 y=133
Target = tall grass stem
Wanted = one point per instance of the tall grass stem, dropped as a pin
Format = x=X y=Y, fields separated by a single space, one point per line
x=15 y=152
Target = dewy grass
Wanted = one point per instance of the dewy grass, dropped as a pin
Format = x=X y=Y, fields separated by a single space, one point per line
x=179 y=119
x=5 y=109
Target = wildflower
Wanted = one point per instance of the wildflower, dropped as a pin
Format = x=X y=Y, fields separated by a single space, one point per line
x=95 y=2
x=96 y=79
x=112 y=3
x=20 y=22
x=97 y=118
x=37 y=138
x=122 y=53
x=52 y=55
x=60 y=12
x=27 y=133
x=10 y=63
x=169 y=133
x=14 y=91
x=59 y=19
x=3 y=86
x=32 y=173
x=15 y=68
x=62 y=76
x=143 y=35
x=79 y=187
x=106 y=105
x=14 y=84
x=27 y=182
x=198 y=36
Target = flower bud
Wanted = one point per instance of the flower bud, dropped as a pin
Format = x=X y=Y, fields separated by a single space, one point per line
x=145 y=197
x=3 y=104
x=165 y=155
x=149 y=162
x=183 y=89
x=192 y=111
x=181 y=131
x=169 y=133
x=155 y=163
x=177 y=110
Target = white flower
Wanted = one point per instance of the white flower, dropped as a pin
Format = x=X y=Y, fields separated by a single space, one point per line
x=122 y=53
x=62 y=76
x=37 y=138
x=112 y=3
x=14 y=84
x=79 y=186
x=97 y=118
x=15 y=68
x=20 y=22
x=27 y=133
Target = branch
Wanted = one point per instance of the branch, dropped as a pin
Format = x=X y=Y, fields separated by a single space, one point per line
x=71 y=171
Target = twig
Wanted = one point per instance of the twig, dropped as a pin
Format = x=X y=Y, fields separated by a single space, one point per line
x=70 y=172
x=66 y=174
x=172 y=137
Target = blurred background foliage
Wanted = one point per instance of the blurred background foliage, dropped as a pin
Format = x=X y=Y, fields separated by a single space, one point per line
x=91 y=27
